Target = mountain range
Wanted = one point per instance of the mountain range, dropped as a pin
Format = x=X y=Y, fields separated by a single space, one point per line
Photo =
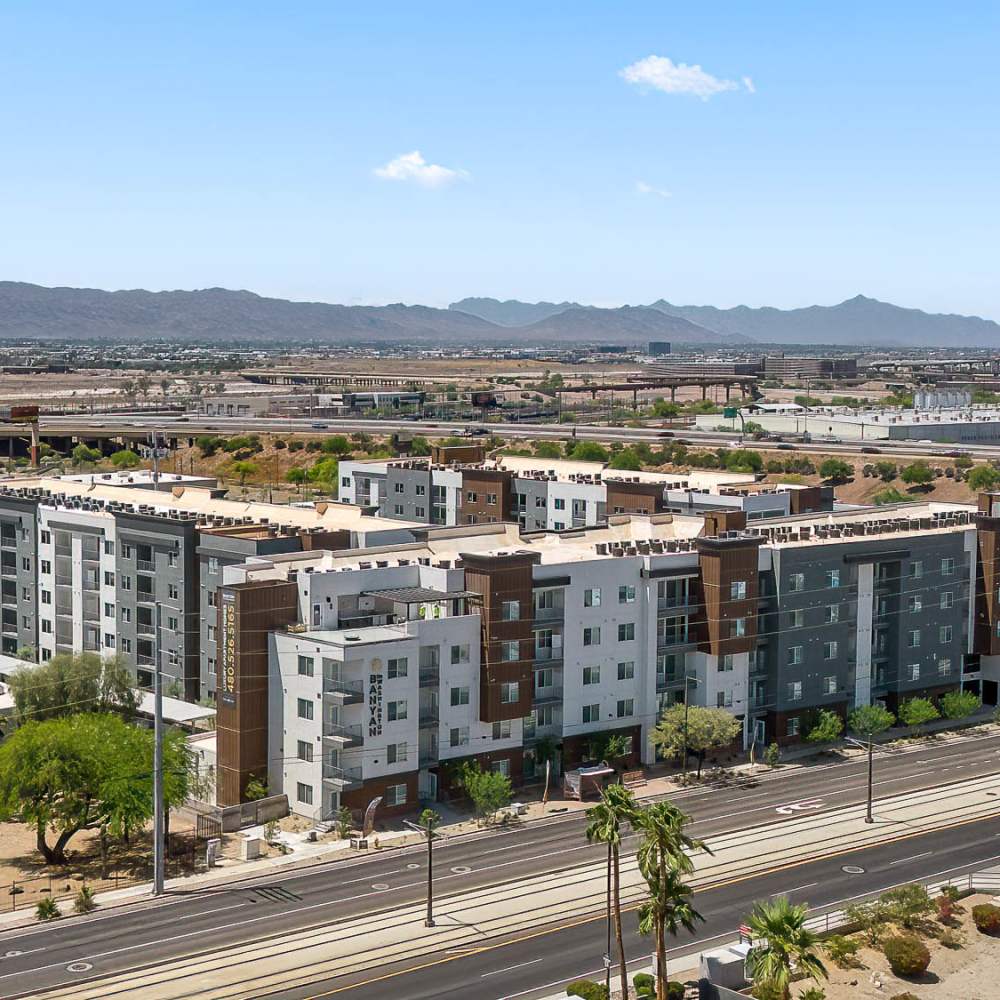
x=220 y=315
x=860 y=321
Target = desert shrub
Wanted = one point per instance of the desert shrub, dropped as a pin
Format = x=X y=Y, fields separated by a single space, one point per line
x=951 y=939
x=907 y=955
x=47 y=909
x=907 y=905
x=904 y=996
x=813 y=993
x=645 y=984
x=841 y=949
x=675 y=991
x=986 y=917
x=586 y=990
x=84 y=901
x=871 y=918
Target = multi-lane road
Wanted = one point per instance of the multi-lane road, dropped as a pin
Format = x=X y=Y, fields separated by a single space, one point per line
x=140 y=425
x=85 y=952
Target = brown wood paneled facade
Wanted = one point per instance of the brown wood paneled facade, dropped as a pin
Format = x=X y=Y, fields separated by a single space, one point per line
x=723 y=562
x=575 y=753
x=810 y=499
x=357 y=799
x=632 y=497
x=985 y=638
x=248 y=612
x=487 y=496
x=501 y=579
x=448 y=770
x=449 y=454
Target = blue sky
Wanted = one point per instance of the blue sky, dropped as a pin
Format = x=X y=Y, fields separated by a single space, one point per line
x=258 y=145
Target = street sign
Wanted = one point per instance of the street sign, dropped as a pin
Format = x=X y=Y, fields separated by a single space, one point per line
x=729 y=412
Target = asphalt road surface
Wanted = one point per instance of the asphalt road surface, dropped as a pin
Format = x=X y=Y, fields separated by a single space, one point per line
x=197 y=920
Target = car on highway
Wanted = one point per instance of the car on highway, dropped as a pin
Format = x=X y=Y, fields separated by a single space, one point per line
x=319 y=427
x=870 y=450
x=784 y=446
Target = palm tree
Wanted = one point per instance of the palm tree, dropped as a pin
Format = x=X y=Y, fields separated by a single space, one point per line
x=786 y=944
x=617 y=807
x=664 y=855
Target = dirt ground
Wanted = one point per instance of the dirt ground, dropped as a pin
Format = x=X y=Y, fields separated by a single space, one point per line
x=971 y=972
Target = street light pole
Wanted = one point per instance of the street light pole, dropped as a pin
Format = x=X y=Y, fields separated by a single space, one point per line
x=607 y=953
x=157 y=764
x=428 y=821
x=687 y=677
x=868 y=816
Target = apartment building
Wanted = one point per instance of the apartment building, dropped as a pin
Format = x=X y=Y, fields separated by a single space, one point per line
x=387 y=667
x=97 y=566
x=557 y=494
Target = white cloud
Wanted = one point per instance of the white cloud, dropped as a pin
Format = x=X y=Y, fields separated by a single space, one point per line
x=642 y=187
x=748 y=83
x=662 y=73
x=413 y=167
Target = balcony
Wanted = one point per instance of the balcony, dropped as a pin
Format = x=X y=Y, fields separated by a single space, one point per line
x=343 y=778
x=673 y=637
x=554 y=614
x=344 y=692
x=345 y=737
x=430 y=676
x=145 y=661
x=669 y=679
x=548 y=654
x=146 y=564
x=429 y=715
x=674 y=603
x=547 y=695
x=145 y=628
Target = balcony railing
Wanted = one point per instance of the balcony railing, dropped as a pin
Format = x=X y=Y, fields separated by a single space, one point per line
x=545 y=695
x=349 y=692
x=345 y=736
x=146 y=661
x=430 y=675
x=146 y=564
x=345 y=777
x=429 y=715
x=550 y=614
x=546 y=653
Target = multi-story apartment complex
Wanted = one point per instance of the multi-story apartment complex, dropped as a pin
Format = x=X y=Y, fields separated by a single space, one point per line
x=556 y=494
x=376 y=672
x=88 y=564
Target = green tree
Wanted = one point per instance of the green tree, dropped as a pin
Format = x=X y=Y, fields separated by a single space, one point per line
x=208 y=444
x=664 y=855
x=126 y=459
x=907 y=905
x=706 y=729
x=82 y=455
x=886 y=471
x=836 y=470
x=324 y=473
x=661 y=408
x=626 y=460
x=828 y=727
x=604 y=825
x=959 y=704
x=489 y=791
x=547 y=449
x=914 y=712
x=419 y=446
x=784 y=944
x=743 y=460
x=890 y=495
x=296 y=475
x=983 y=479
x=588 y=451
x=72 y=683
x=255 y=788
x=870 y=720
x=337 y=444
x=917 y=474
x=243 y=469
x=85 y=771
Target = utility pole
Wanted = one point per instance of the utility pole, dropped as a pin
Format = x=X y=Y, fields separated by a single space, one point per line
x=607 y=953
x=687 y=701
x=157 y=763
x=428 y=821
x=868 y=816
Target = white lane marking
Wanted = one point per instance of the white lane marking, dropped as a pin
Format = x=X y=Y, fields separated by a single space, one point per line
x=916 y=857
x=904 y=777
x=805 y=805
x=799 y=888
x=511 y=968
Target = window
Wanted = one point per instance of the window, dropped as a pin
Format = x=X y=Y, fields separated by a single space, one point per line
x=47 y=597
x=109 y=578
x=626 y=670
x=915 y=603
x=626 y=632
x=543 y=715
x=539 y=502
x=796 y=618
x=397 y=509
x=626 y=595
x=795 y=690
x=460 y=653
x=213 y=564
x=797 y=583
x=396 y=667
x=544 y=678
x=833 y=577
x=345 y=481
x=510 y=693
x=501 y=730
x=395 y=711
x=501 y=767
x=510 y=611
x=46 y=625
x=109 y=547
x=559 y=503
x=947 y=600
x=305 y=750
x=399 y=487
x=626 y=707
x=306 y=668
x=46 y=537
x=913 y=640
x=126 y=582
x=738 y=590
x=591 y=675
x=913 y=671
x=724 y=699
x=945 y=633
x=591 y=713
x=458 y=737
x=944 y=667
x=126 y=550
x=830 y=684
x=592 y=597
x=792 y=726
x=109 y=641
x=592 y=636
x=737 y=628
x=395 y=753
x=305 y=708
x=421 y=490
x=125 y=645
x=459 y=696
x=830 y=650
x=304 y=793
x=916 y=569
x=794 y=655
x=419 y=511
x=491 y=499
x=832 y=614
x=510 y=650
x=947 y=566
x=209 y=632
x=471 y=497
x=127 y=616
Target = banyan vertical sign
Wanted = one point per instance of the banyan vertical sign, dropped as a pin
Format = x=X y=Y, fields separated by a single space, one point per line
x=227 y=669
